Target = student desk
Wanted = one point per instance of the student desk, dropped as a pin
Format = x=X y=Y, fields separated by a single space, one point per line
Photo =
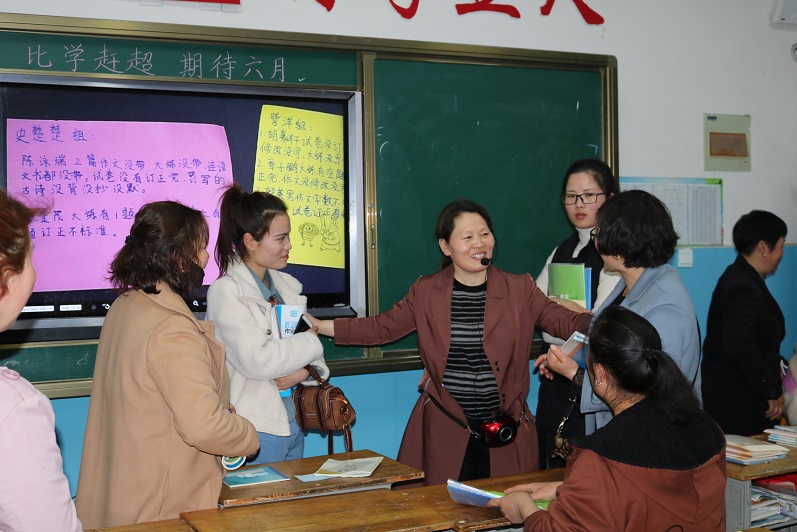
x=737 y=489
x=421 y=509
x=170 y=525
x=388 y=472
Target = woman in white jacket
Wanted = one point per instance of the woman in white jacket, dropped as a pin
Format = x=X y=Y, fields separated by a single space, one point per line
x=253 y=245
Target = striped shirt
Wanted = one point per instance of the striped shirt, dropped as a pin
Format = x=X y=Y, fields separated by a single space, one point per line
x=468 y=376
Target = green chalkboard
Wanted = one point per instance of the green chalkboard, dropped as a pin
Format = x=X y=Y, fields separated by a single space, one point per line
x=500 y=135
x=42 y=362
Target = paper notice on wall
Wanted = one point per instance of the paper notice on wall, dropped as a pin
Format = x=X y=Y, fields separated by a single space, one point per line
x=300 y=158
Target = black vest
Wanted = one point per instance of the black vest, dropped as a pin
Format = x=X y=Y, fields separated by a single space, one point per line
x=588 y=256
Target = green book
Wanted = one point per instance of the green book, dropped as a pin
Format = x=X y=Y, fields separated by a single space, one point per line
x=567 y=281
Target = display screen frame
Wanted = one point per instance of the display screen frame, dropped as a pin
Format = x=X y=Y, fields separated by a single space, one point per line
x=347 y=298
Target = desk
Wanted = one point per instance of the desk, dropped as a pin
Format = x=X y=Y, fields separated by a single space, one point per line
x=388 y=472
x=421 y=509
x=737 y=489
x=170 y=525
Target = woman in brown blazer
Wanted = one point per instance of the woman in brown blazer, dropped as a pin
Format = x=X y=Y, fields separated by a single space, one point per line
x=159 y=416
x=475 y=324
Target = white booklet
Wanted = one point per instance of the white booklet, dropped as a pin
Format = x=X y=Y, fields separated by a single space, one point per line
x=358 y=467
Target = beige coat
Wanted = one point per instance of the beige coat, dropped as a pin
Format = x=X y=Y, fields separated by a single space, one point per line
x=158 y=416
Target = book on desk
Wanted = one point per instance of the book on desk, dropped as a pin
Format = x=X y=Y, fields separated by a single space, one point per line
x=747 y=451
x=253 y=476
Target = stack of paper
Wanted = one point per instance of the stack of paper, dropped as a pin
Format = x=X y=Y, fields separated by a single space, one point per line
x=769 y=507
x=783 y=435
x=355 y=468
x=747 y=451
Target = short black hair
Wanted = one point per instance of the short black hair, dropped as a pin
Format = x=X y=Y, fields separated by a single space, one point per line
x=599 y=171
x=629 y=348
x=756 y=226
x=636 y=226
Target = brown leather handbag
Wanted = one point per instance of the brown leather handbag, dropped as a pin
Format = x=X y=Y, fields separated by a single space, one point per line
x=324 y=408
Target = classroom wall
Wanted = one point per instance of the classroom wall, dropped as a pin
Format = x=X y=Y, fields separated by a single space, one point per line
x=676 y=61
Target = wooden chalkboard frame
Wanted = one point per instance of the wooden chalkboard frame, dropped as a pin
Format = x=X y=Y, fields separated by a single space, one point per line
x=365 y=52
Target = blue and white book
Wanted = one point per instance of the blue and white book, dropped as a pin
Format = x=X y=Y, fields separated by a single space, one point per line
x=464 y=494
x=251 y=476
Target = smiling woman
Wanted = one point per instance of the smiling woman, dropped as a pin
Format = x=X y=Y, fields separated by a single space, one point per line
x=475 y=325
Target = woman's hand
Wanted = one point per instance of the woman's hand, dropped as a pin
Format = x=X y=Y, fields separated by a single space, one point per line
x=325 y=327
x=515 y=506
x=283 y=383
x=568 y=304
x=539 y=491
x=775 y=408
x=541 y=363
x=555 y=360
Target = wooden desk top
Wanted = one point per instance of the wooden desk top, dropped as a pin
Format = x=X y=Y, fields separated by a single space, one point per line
x=170 y=525
x=422 y=509
x=388 y=472
x=767 y=469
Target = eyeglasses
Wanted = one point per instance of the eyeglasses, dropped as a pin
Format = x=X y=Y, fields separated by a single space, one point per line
x=586 y=198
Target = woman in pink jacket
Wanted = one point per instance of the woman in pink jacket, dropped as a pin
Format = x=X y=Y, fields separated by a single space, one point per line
x=34 y=493
x=475 y=324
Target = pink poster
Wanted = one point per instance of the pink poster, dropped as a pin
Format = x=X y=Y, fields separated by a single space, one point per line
x=96 y=175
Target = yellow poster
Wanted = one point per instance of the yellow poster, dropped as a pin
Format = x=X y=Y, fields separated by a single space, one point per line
x=300 y=156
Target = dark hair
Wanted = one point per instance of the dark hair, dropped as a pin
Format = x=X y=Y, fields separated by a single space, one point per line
x=629 y=347
x=164 y=241
x=756 y=226
x=448 y=219
x=243 y=213
x=15 y=241
x=636 y=226
x=599 y=171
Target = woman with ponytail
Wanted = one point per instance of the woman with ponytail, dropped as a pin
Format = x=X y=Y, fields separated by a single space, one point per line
x=659 y=464
x=253 y=245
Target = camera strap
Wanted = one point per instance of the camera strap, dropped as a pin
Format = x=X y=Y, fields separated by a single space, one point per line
x=465 y=425
x=453 y=418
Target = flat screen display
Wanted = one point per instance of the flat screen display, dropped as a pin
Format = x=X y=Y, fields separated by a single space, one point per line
x=94 y=154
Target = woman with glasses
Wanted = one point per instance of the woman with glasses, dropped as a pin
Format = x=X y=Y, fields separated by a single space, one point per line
x=587 y=184
x=658 y=465
x=744 y=331
x=253 y=245
x=635 y=237
x=475 y=325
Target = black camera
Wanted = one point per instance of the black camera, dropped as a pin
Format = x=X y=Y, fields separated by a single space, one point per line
x=499 y=431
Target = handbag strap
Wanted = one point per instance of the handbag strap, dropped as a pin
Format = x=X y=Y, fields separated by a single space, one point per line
x=347 y=440
x=314 y=374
